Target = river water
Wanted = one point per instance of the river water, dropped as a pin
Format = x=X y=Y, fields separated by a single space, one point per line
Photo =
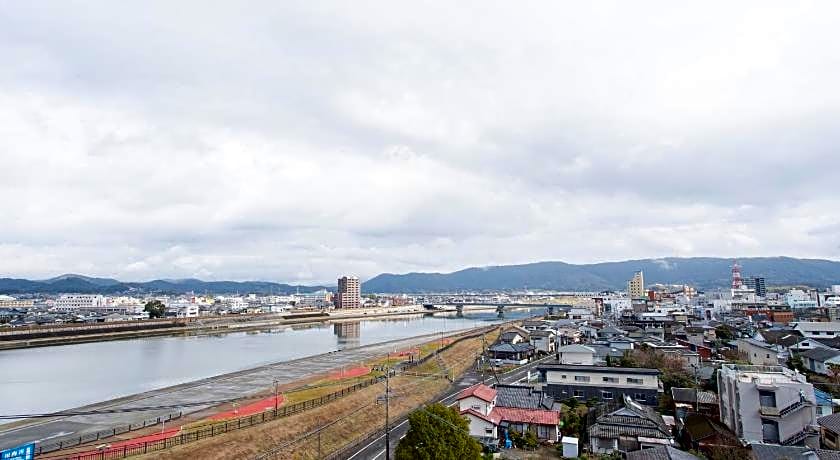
x=49 y=379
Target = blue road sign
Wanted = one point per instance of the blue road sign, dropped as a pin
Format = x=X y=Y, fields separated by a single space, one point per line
x=24 y=452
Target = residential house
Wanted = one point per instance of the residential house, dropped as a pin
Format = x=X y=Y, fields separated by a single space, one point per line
x=531 y=325
x=604 y=354
x=576 y=354
x=621 y=343
x=759 y=353
x=564 y=381
x=767 y=404
x=632 y=427
x=703 y=434
x=493 y=411
x=816 y=330
x=611 y=332
x=580 y=313
x=544 y=341
x=511 y=353
x=819 y=360
x=514 y=335
x=692 y=400
x=830 y=431
x=825 y=403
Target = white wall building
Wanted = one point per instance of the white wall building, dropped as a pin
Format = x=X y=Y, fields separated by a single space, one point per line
x=76 y=302
x=767 y=404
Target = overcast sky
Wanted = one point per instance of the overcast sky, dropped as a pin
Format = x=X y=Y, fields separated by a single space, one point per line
x=291 y=142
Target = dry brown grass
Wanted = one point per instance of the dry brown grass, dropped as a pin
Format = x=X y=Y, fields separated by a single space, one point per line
x=351 y=423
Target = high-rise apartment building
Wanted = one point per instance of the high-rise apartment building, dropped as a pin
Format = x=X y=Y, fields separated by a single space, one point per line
x=636 y=286
x=758 y=284
x=768 y=404
x=349 y=294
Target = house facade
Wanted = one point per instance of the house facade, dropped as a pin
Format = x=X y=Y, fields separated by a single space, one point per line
x=564 y=381
x=493 y=412
x=628 y=429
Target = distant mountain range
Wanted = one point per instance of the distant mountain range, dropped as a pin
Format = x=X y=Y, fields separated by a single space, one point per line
x=86 y=285
x=703 y=272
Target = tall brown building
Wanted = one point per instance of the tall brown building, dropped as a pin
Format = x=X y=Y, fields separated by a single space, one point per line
x=349 y=293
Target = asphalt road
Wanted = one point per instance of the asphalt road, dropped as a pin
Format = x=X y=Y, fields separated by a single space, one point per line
x=375 y=450
x=224 y=387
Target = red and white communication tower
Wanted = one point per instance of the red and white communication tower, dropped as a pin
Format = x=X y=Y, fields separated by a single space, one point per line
x=737 y=282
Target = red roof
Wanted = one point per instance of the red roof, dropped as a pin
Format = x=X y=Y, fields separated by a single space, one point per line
x=517 y=415
x=494 y=421
x=480 y=391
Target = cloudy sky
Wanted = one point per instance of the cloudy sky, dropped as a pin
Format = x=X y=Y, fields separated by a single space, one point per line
x=291 y=142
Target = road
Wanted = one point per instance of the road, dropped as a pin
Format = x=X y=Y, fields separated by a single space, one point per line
x=224 y=387
x=375 y=450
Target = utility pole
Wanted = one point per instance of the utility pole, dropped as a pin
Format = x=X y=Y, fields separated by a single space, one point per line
x=276 y=403
x=387 y=396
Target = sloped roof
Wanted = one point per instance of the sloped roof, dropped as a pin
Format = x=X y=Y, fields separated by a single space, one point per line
x=511 y=347
x=699 y=427
x=833 y=342
x=784 y=337
x=631 y=420
x=480 y=391
x=519 y=415
x=522 y=396
x=473 y=412
x=689 y=394
x=817 y=326
x=830 y=422
x=775 y=452
x=820 y=354
x=575 y=348
x=660 y=453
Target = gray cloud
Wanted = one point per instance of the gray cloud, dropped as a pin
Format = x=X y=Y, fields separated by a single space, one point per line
x=294 y=142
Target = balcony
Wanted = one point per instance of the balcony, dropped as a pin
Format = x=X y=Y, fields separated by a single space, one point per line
x=782 y=413
x=798 y=437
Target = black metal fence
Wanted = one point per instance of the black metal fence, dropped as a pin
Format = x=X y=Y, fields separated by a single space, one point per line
x=103 y=434
x=213 y=429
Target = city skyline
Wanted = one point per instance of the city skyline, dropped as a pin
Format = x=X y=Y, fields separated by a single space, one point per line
x=304 y=142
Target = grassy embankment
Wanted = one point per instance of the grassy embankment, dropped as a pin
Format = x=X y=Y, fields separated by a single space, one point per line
x=353 y=416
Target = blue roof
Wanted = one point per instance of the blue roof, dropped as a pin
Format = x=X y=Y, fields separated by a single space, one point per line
x=823 y=398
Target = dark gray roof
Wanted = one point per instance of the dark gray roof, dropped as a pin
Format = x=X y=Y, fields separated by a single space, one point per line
x=583 y=367
x=821 y=354
x=776 y=452
x=660 y=453
x=522 y=396
x=631 y=420
x=686 y=395
x=512 y=347
x=830 y=422
x=833 y=342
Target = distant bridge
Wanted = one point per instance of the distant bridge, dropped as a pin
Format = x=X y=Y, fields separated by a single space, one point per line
x=500 y=306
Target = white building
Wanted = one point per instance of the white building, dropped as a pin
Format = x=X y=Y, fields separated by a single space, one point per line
x=576 y=354
x=767 y=404
x=76 y=302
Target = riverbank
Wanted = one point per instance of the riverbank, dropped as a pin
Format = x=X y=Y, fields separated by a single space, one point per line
x=222 y=387
x=222 y=325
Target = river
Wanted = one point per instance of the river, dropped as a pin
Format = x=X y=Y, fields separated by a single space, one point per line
x=49 y=379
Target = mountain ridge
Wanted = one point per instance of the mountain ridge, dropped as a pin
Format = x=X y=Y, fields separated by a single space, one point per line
x=703 y=272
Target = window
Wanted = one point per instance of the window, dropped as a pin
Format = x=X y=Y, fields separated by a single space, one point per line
x=767 y=398
x=634 y=381
x=581 y=378
x=542 y=432
x=611 y=379
x=488 y=431
x=639 y=396
x=768 y=355
x=579 y=394
x=476 y=407
x=563 y=376
x=606 y=395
